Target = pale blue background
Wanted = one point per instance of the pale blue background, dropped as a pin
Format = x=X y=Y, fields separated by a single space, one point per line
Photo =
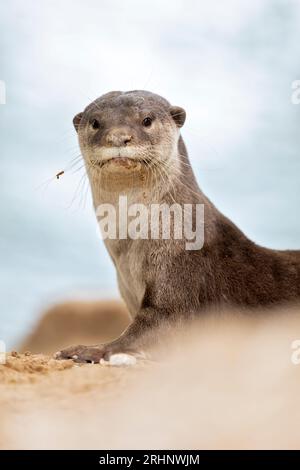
x=230 y=64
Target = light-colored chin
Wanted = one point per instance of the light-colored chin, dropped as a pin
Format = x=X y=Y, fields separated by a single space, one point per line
x=119 y=174
x=115 y=170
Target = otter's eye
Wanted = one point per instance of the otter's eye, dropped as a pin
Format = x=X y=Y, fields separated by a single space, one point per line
x=95 y=124
x=147 y=122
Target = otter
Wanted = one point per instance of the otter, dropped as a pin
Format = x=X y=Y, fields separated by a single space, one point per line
x=132 y=145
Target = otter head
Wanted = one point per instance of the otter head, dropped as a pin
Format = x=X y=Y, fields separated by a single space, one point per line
x=126 y=132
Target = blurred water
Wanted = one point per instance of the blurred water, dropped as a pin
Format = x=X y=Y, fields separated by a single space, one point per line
x=230 y=64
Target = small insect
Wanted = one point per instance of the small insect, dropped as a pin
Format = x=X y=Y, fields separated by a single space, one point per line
x=60 y=174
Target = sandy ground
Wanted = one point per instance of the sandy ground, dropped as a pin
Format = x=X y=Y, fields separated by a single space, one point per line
x=224 y=382
x=39 y=395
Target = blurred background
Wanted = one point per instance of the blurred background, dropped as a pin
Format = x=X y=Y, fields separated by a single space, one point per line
x=230 y=64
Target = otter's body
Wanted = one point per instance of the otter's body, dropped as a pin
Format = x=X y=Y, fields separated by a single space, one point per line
x=132 y=147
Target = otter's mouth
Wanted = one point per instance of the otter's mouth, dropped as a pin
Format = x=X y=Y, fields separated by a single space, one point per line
x=126 y=162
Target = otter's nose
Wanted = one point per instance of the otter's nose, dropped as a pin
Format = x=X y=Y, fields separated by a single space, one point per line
x=118 y=138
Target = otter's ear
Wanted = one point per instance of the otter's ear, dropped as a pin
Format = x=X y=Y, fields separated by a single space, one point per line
x=178 y=114
x=76 y=120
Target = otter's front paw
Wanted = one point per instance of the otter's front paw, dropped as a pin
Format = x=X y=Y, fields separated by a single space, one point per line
x=81 y=353
x=100 y=354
